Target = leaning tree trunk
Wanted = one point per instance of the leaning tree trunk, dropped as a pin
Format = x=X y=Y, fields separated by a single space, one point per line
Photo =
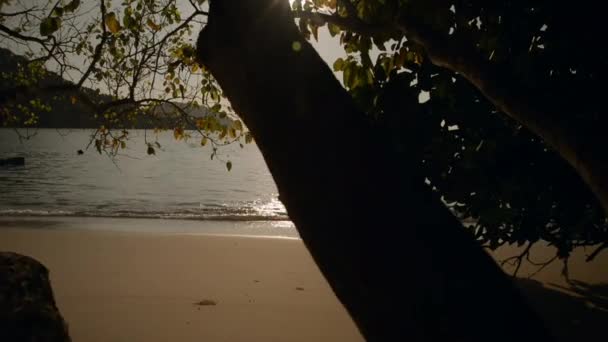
x=402 y=265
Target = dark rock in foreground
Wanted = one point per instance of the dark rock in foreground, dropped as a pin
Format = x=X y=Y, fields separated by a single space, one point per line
x=16 y=161
x=28 y=312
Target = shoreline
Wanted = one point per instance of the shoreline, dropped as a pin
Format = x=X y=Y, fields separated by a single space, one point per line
x=273 y=229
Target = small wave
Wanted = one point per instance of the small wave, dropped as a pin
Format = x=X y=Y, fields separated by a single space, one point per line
x=35 y=212
x=237 y=215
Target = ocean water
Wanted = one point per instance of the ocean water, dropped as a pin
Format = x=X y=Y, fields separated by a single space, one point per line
x=180 y=182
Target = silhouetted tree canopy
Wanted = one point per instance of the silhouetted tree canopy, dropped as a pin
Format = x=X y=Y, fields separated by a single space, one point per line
x=476 y=60
x=503 y=98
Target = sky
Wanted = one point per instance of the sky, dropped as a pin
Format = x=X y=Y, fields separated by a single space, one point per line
x=328 y=47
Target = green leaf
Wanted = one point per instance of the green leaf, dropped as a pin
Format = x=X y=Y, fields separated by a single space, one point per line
x=413 y=57
x=248 y=137
x=151 y=24
x=333 y=29
x=229 y=165
x=349 y=75
x=112 y=23
x=72 y=6
x=204 y=141
x=128 y=21
x=49 y=25
x=58 y=11
x=339 y=64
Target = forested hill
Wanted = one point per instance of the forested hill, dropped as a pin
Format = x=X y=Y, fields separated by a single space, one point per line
x=66 y=111
x=63 y=113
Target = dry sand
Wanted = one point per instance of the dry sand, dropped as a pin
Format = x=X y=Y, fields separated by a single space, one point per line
x=113 y=286
x=143 y=287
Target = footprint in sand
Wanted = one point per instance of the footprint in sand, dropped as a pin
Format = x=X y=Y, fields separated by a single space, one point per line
x=206 y=302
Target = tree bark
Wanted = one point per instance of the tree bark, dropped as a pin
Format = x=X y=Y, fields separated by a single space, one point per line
x=399 y=261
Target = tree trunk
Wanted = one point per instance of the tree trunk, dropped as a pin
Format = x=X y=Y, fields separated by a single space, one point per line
x=399 y=261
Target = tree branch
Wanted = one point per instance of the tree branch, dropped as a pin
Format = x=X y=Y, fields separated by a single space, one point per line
x=505 y=91
x=351 y=9
x=15 y=14
x=98 y=48
x=18 y=35
x=597 y=251
x=517 y=259
x=509 y=94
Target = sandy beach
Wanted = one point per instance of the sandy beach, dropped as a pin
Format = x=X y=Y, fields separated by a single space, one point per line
x=134 y=286
x=114 y=286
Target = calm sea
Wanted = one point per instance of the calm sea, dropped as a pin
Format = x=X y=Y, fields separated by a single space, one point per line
x=181 y=182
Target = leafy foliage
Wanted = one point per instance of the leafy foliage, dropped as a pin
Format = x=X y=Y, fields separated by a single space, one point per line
x=130 y=64
x=490 y=170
